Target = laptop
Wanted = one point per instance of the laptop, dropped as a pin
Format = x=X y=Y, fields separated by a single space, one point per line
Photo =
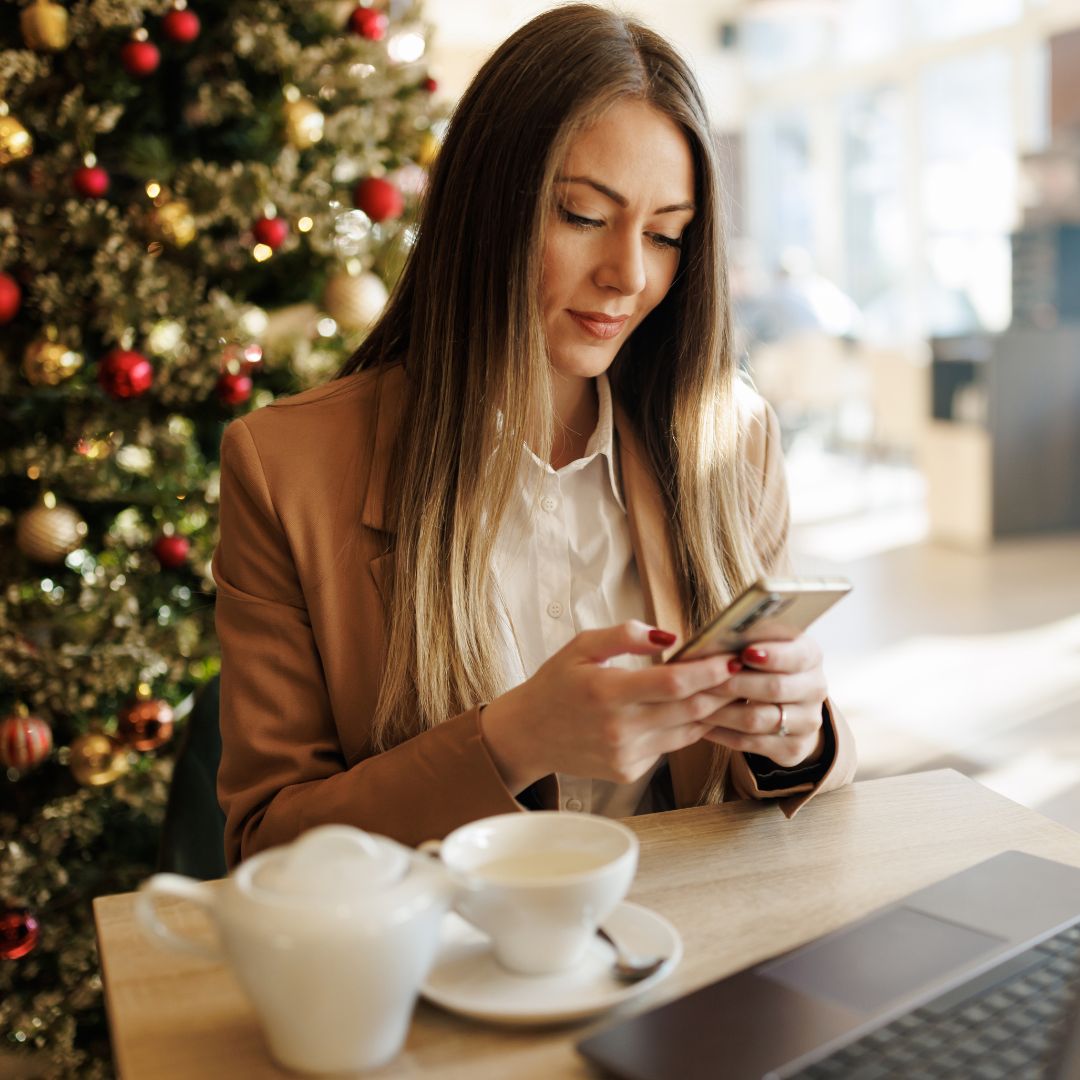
x=915 y=989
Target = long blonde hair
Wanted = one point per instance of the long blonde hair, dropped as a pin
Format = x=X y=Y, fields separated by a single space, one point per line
x=465 y=321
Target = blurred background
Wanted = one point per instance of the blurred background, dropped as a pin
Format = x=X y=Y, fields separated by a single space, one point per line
x=904 y=228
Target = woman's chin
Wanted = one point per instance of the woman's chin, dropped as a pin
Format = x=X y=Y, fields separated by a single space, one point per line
x=584 y=363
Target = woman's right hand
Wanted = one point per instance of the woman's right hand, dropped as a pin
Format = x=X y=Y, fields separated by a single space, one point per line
x=576 y=715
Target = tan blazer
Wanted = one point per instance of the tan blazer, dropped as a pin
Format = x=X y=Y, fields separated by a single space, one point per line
x=304 y=553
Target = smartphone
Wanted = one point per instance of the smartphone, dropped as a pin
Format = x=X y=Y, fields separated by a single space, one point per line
x=772 y=609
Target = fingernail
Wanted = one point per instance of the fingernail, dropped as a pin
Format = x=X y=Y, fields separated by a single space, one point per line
x=734 y=666
x=661 y=637
x=756 y=656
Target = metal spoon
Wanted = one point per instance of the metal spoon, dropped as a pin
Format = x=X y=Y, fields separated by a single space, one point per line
x=627 y=966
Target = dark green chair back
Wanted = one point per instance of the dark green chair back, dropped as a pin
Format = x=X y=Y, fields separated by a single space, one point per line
x=193 y=834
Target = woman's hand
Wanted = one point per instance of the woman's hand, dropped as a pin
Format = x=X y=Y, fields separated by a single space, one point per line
x=778 y=675
x=576 y=715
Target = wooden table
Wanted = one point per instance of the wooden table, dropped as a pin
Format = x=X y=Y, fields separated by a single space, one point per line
x=740 y=883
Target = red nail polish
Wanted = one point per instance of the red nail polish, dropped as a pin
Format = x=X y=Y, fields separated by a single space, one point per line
x=661 y=637
x=756 y=656
x=734 y=666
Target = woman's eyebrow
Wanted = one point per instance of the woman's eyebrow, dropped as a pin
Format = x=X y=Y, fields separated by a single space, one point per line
x=622 y=200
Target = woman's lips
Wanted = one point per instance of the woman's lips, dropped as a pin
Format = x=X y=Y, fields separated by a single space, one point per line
x=598 y=325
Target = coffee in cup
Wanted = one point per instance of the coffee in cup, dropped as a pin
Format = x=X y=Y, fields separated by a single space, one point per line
x=540 y=883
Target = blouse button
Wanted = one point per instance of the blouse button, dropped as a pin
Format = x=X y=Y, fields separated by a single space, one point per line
x=549 y=503
x=574 y=804
x=555 y=609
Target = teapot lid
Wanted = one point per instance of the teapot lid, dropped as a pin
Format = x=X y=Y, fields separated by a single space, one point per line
x=334 y=864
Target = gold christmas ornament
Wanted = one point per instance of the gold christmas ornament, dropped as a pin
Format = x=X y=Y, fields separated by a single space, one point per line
x=429 y=149
x=97 y=759
x=45 y=26
x=354 y=301
x=173 y=222
x=304 y=123
x=49 y=363
x=49 y=531
x=15 y=141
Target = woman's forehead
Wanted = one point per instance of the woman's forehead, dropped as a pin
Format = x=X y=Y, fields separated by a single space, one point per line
x=636 y=151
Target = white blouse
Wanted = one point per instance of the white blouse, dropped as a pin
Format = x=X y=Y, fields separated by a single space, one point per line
x=563 y=563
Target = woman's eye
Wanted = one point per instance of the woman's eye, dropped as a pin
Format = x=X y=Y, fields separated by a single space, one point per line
x=672 y=242
x=577 y=220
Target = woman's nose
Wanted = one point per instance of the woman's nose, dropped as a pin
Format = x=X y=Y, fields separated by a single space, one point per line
x=622 y=265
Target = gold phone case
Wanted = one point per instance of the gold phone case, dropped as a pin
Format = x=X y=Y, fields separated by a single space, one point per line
x=772 y=609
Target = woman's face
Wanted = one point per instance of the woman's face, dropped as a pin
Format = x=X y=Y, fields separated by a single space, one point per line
x=622 y=201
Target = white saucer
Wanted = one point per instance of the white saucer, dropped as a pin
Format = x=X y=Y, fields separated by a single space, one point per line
x=466 y=978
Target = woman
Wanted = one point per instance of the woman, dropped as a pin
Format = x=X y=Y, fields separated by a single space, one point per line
x=445 y=577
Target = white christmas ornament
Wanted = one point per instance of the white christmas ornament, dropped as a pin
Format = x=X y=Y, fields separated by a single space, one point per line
x=355 y=301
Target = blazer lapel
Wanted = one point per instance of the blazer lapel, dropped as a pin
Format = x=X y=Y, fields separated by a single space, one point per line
x=388 y=406
x=650 y=535
x=389 y=402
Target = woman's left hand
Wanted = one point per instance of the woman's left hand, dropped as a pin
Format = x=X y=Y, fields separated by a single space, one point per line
x=777 y=707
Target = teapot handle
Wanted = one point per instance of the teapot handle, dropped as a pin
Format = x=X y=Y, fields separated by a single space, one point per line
x=462 y=881
x=184 y=888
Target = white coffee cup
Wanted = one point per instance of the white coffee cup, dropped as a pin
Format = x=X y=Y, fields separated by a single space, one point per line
x=331 y=938
x=539 y=884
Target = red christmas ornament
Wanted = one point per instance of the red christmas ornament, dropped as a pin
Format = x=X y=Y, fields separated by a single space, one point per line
x=430 y=85
x=271 y=231
x=233 y=389
x=369 y=23
x=89 y=182
x=10 y=298
x=18 y=933
x=140 y=58
x=171 y=551
x=378 y=198
x=146 y=724
x=125 y=374
x=181 y=26
x=25 y=742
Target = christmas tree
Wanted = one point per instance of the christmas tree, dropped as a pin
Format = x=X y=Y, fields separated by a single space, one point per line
x=201 y=207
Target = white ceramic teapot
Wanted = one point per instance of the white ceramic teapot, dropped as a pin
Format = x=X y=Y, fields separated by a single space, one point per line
x=330 y=936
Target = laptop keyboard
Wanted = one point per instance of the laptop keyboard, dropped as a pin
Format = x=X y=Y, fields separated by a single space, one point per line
x=1004 y=1025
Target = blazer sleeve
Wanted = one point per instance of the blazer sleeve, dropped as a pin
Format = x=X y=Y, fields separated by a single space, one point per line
x=771 y=525
x=282 y=767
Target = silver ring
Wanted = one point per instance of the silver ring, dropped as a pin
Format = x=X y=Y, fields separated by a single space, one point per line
x=782 y=730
